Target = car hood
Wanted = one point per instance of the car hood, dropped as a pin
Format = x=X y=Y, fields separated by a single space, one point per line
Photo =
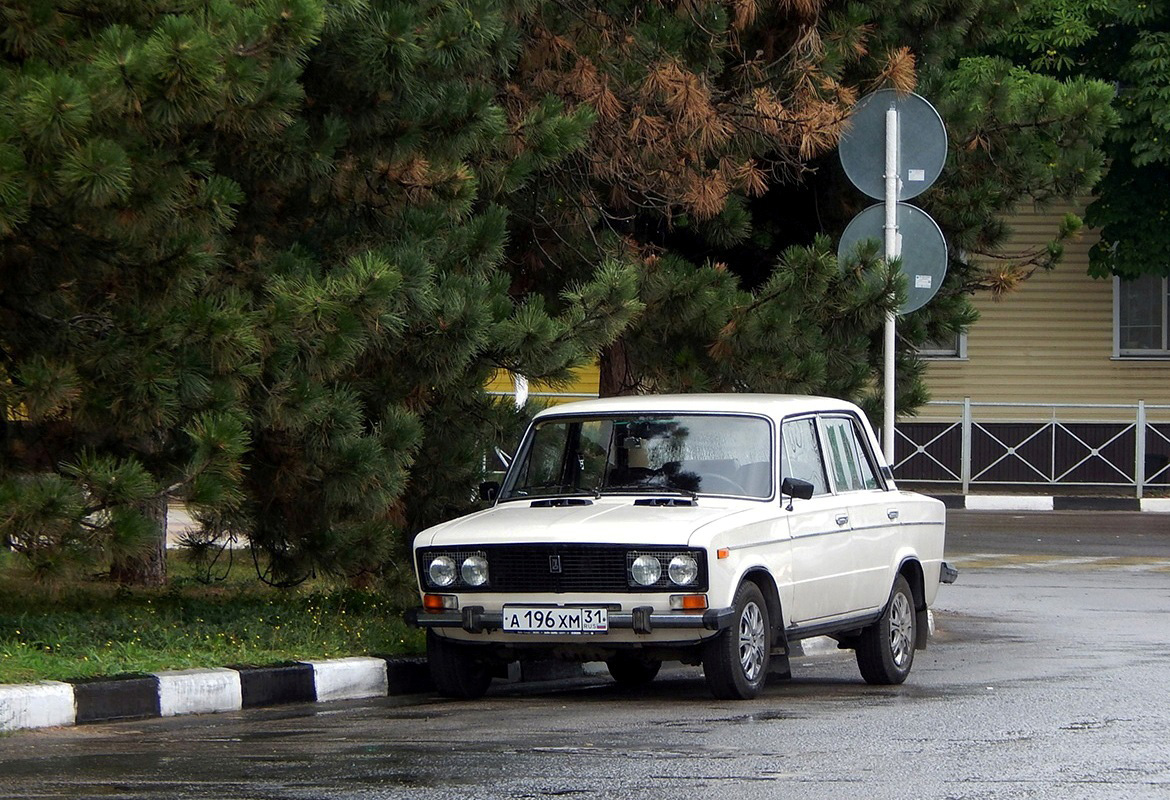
x=613 y=520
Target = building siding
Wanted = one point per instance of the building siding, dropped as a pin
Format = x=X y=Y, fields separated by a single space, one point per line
x=1051 y=341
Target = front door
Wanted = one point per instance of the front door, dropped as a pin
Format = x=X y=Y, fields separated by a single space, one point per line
x=823 y=562
x=873 y=512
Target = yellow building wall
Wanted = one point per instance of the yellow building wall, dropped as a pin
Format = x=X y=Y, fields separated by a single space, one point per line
x=1051 y=341
x=583 y=385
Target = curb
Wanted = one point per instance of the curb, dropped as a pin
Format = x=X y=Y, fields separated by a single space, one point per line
x=1015 y=502
x=206 y=691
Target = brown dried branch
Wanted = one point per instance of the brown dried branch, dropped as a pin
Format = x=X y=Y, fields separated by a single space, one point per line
x=806 y=9
x=743 y=13
x=900 y=71
x=1003 y=279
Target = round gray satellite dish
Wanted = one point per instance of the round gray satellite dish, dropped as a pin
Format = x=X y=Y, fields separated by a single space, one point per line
x=922 y=144
x=921 y=245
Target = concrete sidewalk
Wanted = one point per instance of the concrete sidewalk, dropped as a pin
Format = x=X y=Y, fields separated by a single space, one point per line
x=1030 y=502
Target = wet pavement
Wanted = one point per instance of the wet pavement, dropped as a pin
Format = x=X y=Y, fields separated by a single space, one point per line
x=1049 y=678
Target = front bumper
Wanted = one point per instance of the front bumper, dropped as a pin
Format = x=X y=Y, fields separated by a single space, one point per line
x=643 y=619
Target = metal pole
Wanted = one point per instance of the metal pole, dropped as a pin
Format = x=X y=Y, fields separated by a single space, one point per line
x=891 y=231
x=1052 y=461
x=965 y=446
x=1139 y=449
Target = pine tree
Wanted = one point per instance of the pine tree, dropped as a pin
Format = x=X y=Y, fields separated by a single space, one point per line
x=698 y=108
x=121 y=364
x=253 y=262
x=389 y=307
x=714 y=155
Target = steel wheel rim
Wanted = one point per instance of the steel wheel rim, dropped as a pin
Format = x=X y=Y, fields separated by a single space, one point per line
x=751 y=641
x=901 y=630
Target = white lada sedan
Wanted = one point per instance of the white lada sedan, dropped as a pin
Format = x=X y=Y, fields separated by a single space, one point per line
x=710 y=529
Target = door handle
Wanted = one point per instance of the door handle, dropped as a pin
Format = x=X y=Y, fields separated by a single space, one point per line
x=892 y=513
x=843 y=519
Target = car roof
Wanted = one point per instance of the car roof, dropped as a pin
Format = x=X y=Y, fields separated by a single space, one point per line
x=770 y=405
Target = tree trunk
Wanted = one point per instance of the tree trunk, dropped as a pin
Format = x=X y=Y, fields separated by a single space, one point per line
x=616 y=376
x=151 y=568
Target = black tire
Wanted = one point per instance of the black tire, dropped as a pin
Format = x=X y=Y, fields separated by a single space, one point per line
x=631 y=670
x=455 y=668
x=885 y=650
x=735 y=661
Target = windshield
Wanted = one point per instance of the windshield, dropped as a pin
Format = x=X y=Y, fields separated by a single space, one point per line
x=705 y=454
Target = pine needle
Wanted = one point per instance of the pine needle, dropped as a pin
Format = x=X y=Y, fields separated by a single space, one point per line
x=1005 y=279
x=900 y=72
x=704 y=196
x=744 y=13
x=720 y=349
x=809 y=9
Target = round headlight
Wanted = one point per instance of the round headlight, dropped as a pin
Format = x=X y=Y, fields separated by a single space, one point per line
x=474 y=570
x=646 y=570
x=683 y=570
x=442 y=571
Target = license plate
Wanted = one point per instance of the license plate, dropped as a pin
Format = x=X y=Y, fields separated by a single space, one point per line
x=525 y=619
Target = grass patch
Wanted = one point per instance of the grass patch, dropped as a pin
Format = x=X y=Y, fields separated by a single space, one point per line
x=93 y=628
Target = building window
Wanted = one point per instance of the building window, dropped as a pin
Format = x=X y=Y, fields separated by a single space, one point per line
x=954 y=347
x=1141 y=317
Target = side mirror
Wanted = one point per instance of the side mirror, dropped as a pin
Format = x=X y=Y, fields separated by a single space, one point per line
x=489 y=491
x=796 y=489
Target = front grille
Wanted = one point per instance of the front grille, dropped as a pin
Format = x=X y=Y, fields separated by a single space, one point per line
x=600 y=568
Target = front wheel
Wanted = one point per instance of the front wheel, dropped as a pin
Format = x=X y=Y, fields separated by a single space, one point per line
x=736 y=660
x=455 y=669
x=885 y=650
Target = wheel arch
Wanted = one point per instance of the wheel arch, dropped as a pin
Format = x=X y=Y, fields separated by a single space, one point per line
x=767 y=585
x=911 y=570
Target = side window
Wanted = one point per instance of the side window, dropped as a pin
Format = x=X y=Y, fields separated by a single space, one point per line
x=800 y=455
x=851 y=468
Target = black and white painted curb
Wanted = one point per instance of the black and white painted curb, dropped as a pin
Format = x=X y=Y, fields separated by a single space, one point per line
x=207 y=691
x=204 y=691
x=1012 y=502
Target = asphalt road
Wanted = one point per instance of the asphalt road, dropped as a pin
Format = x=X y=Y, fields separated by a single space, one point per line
x=1048 y=679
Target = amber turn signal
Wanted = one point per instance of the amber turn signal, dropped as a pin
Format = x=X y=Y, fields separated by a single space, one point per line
x=688 y=602
x=440 y=602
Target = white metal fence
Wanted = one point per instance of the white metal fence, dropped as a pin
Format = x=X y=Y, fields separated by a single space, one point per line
x=968 y=444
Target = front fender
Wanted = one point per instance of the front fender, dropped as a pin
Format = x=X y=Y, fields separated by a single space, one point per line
x=729 y=573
